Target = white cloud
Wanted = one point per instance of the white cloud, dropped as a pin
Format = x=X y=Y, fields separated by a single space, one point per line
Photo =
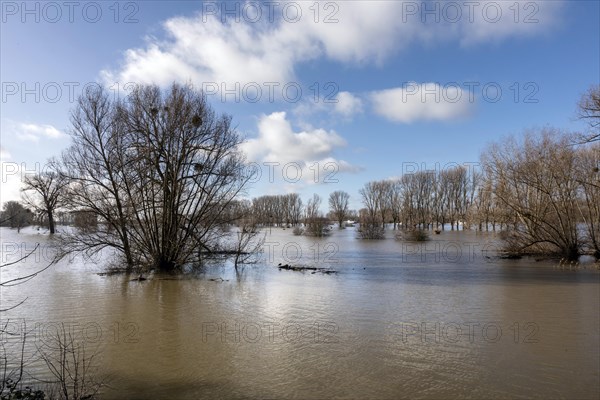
x=210 y=51
x=499 y=20
x=365 y=32
x=418 y=102
x=344 y=104
x=348 y=104
x=202 y=48
x=34 y=132
x=309 y=150
x=277 y=142
x=307 y=108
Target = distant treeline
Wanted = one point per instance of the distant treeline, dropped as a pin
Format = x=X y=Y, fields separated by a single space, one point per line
x=542 y=190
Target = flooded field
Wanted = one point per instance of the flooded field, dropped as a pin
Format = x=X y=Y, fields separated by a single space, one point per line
x=442 y=319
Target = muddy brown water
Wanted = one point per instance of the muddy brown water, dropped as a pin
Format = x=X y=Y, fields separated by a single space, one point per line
x=443 y=319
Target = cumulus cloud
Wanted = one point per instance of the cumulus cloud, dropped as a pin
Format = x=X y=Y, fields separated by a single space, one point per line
x=35 y=132
x=278 y=144
x=205 y=48
x=202 y=49
x=426 y=101
x=407 y=104
x=343 y=104
x=348 y=104
x=361 y=31
x=498 y=20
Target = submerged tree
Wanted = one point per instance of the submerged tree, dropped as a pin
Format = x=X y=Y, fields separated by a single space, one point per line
x=371 y=227
x=49 y=188
x=588 y=176
x=15 y=215
x=315 y=222
x=159 y=170
x=534 y=180
x=249 y=241
x=96 y=166
x=338 y=204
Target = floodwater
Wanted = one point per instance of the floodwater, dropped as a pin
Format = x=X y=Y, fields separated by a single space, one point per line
x=445 y=319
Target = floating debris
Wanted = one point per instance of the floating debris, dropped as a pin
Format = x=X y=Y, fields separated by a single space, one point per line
x=314 y=270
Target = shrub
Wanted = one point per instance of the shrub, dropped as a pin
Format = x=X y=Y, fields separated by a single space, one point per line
x=414 y=235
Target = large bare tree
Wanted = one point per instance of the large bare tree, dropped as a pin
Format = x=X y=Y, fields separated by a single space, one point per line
x=159 y=169
x=97 y=166
x=534 y=180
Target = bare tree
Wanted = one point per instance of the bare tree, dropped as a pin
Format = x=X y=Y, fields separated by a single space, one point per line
x=96 y=166
x=73 y=367
x=459 y=192
x=271 y=210
x=475 y=182
x=534 y=180
x=589 y=110
x=315 y=222
x=338 y=204
x=588 y=175
x=438 y=203
x=295 y=208
x=75 y=372
x=10 y=376
x=483 y=203
x=248 y=241
x=384 y=197
x=395 y=201
x=15 y=215
x=370 y=226
x=419 y=192
x=187 y=170
x=369 y=194
x=158 y=169
x=49 y=188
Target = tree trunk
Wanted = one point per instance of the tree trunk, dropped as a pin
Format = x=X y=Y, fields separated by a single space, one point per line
x=51 y=222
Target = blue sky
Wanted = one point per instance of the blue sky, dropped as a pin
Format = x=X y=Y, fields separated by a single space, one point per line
x=398 y=83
